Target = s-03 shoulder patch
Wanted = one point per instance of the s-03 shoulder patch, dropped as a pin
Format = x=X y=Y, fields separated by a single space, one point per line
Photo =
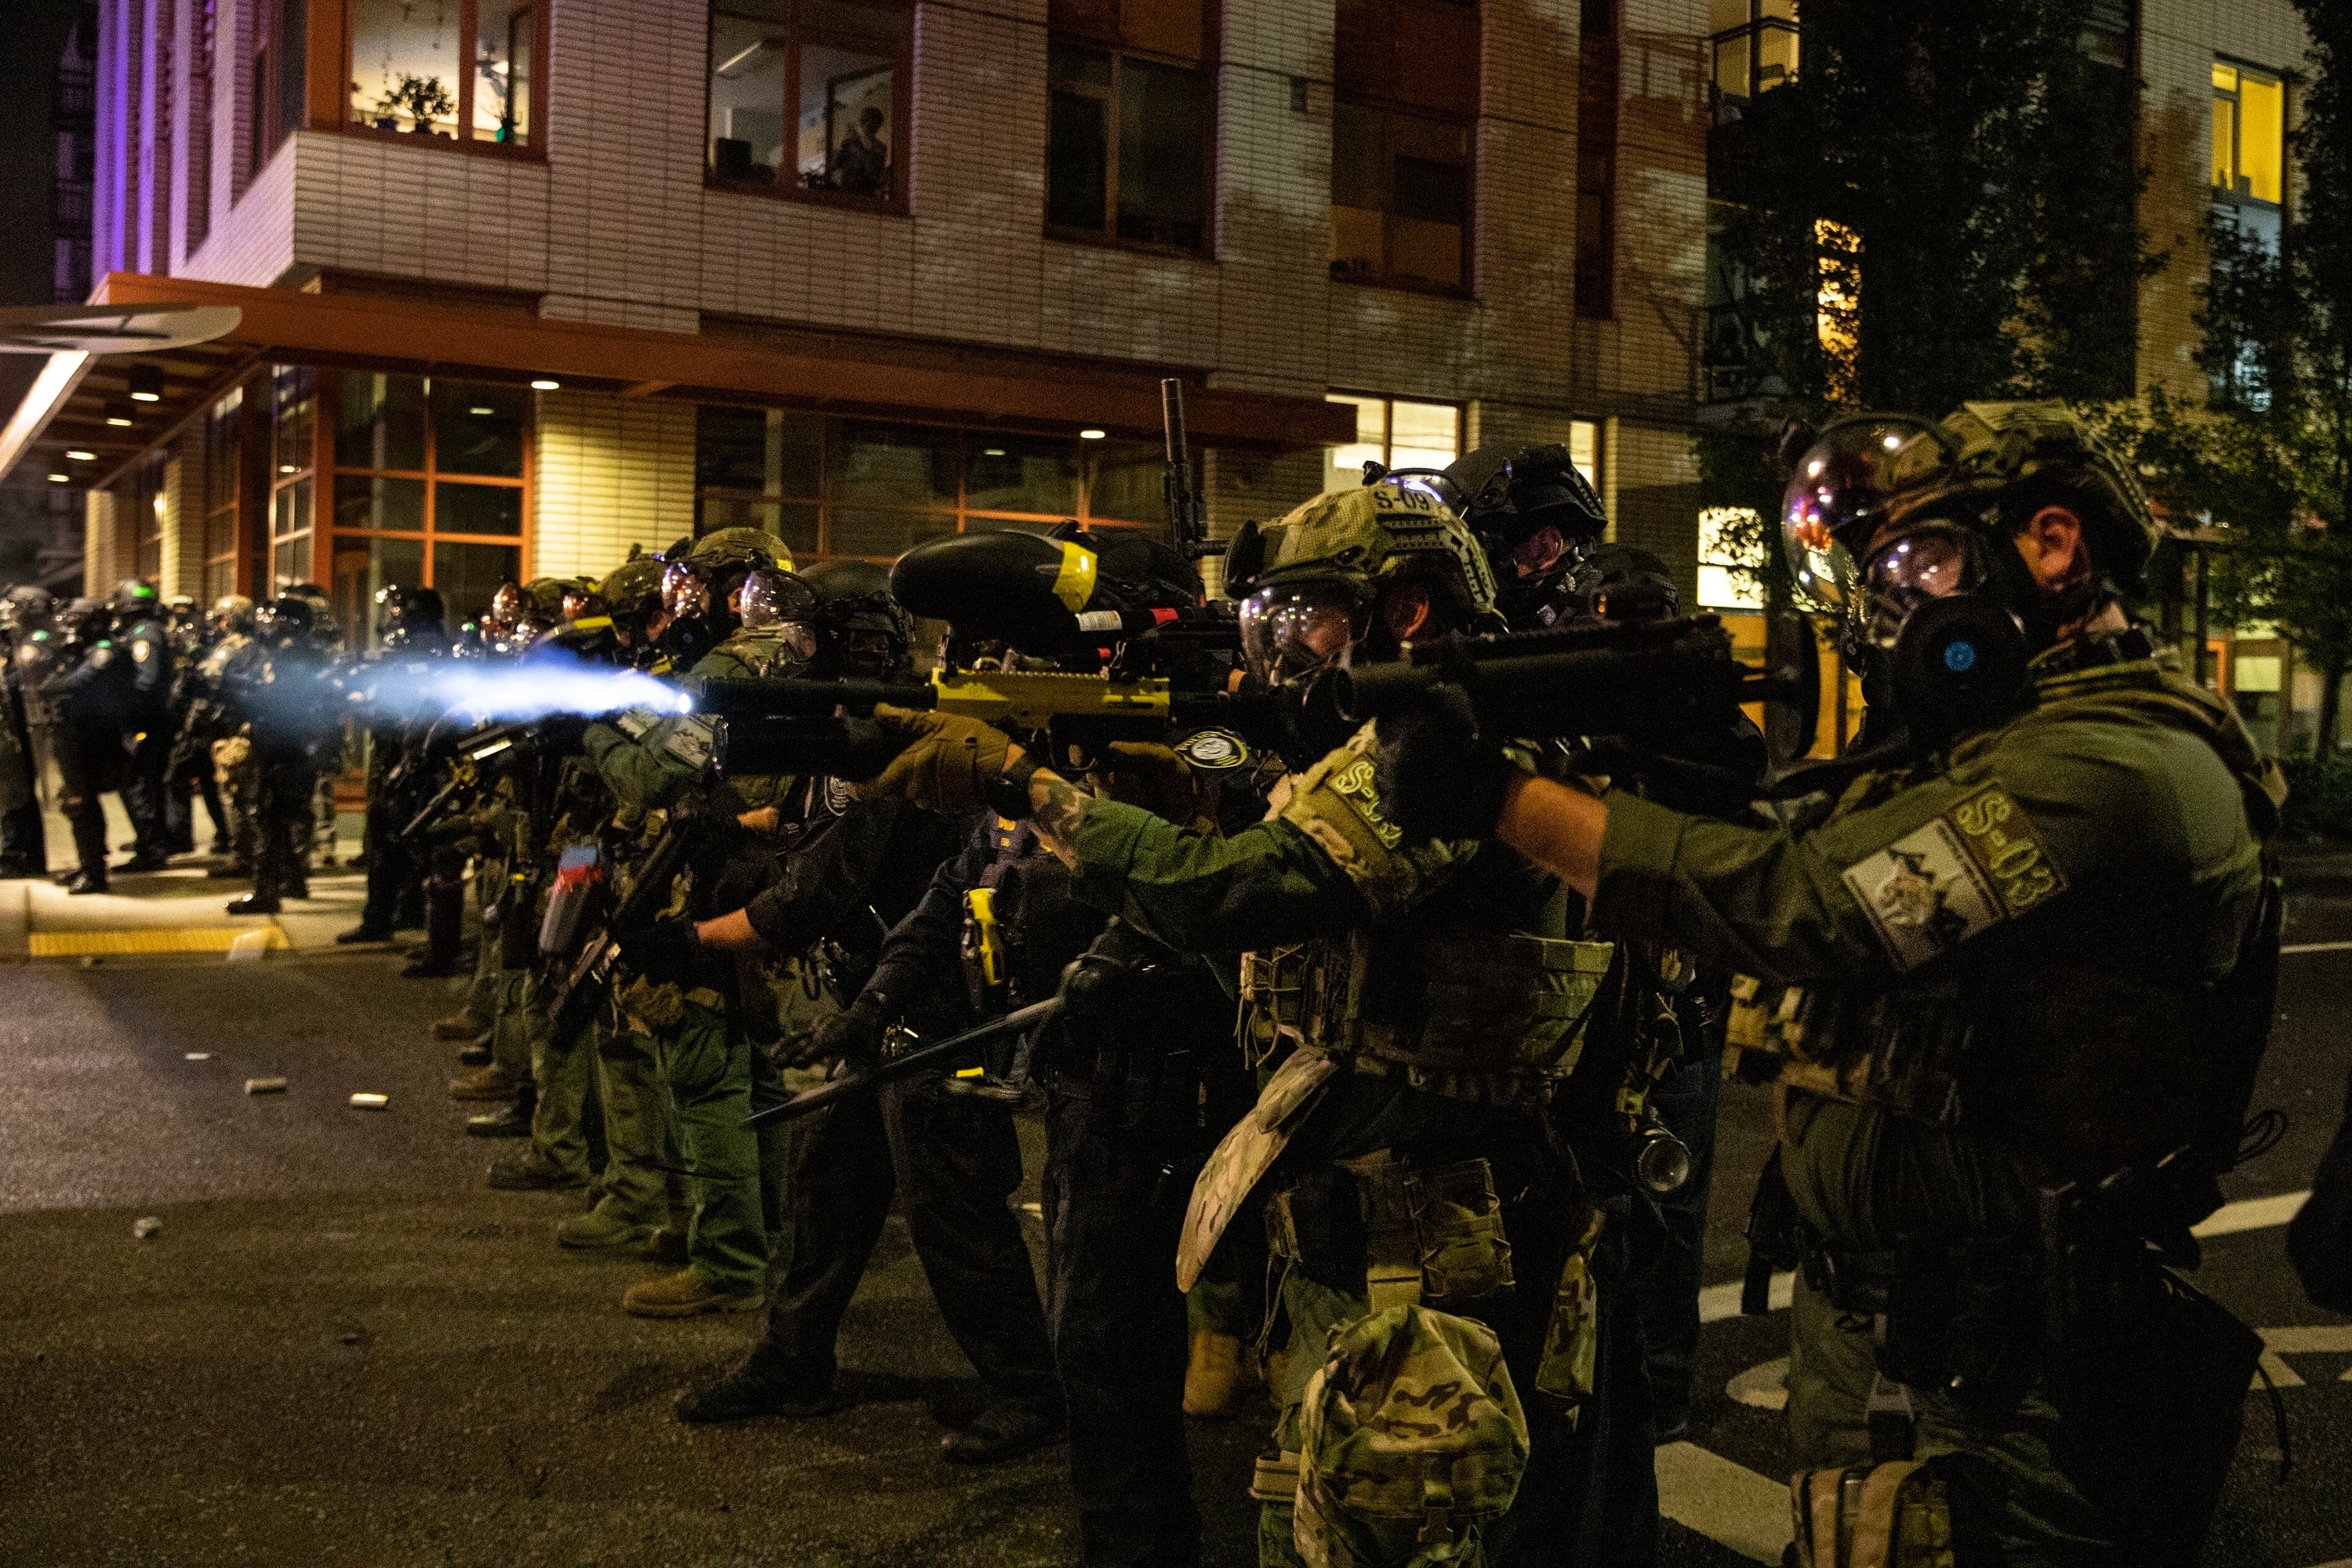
x=1979 y=863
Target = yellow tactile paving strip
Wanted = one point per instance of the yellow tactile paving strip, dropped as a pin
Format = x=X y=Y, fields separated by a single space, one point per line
x=150 y=939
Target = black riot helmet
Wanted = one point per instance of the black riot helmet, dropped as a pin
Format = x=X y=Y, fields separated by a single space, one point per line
x=28 y=608
x=285 y=621
x=1510 y=494
x=87 y=620
x=411 y=617
x=863 y=632
x=136 y=600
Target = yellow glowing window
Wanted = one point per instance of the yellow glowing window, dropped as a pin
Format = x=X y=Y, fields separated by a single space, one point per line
x=2249 y=133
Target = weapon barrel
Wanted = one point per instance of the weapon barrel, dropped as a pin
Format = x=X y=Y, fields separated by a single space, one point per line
x=1621 y=681
x=904 y=1065
x=733 y=697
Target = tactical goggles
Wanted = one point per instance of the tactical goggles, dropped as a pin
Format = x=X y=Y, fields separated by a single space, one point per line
x=1844 y=489
x=1290 y=630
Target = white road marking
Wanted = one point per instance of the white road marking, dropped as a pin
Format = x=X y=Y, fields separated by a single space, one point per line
x=1729 y=1503
x=1718 y=1302
x=2251 y=1214
x=2319 y=1338
x=1762 y=1387
x=2285 y=948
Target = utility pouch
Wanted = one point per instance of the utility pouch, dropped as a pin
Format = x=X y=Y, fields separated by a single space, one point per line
x=1895 y=1515
x=1568 y=1373
x=1392 y=1244
x=1275 y=1478
x=1458 y=1221
x=518 y=939
x=1317 y=1226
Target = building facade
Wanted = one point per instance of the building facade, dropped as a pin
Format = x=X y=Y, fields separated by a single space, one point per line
x=524 y=283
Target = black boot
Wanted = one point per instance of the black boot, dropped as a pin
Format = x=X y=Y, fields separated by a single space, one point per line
x=86 y=881
x=254 y=903
x=765 y=1384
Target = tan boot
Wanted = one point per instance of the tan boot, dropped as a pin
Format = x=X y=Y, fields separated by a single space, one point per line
x=492 y=1082
x=1212 y=1374
x=683 y=1295
x=457 y=1026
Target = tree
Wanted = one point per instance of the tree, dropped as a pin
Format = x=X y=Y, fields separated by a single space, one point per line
x=1924 y=216
x=2266 y=461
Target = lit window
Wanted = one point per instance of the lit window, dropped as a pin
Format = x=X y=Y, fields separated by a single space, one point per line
x=2249 y=133
x=1394 y=434
x=1837 y=303
x=808 y=98
x=413 y=73
x=1730 y=558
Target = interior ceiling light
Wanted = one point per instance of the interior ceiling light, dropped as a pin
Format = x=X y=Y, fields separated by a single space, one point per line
x=545 y=383
x=146 y=383
x=118 y=413
x=60 y=479
x=1091 y=435
x=79 y=456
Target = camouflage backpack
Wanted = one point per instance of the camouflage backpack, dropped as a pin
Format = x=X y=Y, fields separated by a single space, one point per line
x=1410 y=1442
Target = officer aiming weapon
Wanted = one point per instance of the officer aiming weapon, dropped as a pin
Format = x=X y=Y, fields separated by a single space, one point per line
x=1642 y=681
x=905 y=1063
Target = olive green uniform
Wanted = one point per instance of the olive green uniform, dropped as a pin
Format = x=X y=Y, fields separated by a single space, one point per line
x=1985 y=973
x=1433 y=989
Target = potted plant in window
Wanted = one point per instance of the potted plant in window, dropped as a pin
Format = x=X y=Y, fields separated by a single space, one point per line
x=423 y=98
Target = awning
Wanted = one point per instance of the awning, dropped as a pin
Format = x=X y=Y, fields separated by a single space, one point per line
x=899 y=379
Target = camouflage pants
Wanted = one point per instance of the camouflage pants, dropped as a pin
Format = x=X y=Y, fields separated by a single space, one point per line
x=640 y=1127
x=564 y=1077
x=238 y=773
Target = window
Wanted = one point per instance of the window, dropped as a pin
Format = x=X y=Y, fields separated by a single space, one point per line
x=1596 y=162
x=1394 y=434
x=294 y=411
x=276 y=84
x=1754 y=48
x=151 y=508
x=204 y=24
x=429 y=488
x=1407 y=83
x=809 y=97
x=2249 y=150
x=1730 y=558
x=451 y=69
x=829 y=487
x=1129 y=116
x=218 y=489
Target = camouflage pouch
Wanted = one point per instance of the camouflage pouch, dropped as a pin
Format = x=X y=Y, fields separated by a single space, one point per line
x=1568 y=1373
x=1412 y=1442
x=1458 y=1220
x=651 y=1009
x=1895 y=1515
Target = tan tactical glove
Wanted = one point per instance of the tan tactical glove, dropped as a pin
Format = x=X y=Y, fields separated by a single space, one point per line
x=946 y=765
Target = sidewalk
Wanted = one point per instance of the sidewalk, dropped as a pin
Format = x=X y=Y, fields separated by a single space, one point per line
x=179 y=909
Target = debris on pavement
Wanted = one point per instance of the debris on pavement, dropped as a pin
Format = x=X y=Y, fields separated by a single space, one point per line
x=145 y=1227
x=265 y=1085
x=370 y=1101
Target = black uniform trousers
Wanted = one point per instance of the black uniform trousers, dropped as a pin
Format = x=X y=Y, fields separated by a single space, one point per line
x=144 y=794
x=23 y=850
x=1120 y=1163
x=1668 y=1257
x=89 y=762
x=282 y=860
x=954 y=1163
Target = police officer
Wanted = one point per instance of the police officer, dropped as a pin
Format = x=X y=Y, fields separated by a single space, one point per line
x=277 y=687
x=862 y=868
x=141 y=637
x=411 y=635
x=188 y=772
x=2012 y=977
x=23 y=635
x=88 y=690
x=213 y=733
x=1419 y=1003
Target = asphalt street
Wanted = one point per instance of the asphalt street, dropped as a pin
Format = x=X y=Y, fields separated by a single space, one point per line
x=341 y=1348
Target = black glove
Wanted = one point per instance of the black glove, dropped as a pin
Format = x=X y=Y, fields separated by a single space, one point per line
x=664 y=949
x=854 y=1034
x=1437 y=776
x=717 y=836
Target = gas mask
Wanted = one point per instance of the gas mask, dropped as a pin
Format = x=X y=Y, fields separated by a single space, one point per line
x=1293 y=636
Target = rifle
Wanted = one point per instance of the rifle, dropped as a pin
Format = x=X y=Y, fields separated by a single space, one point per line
x=1647 y=680
x=904 y=1064
x=1188 y=522
x=483 y=757
x=566 y=1011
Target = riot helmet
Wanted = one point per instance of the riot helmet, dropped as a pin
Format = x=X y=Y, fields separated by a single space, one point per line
x=698 y=587
x=326 y=630
x=778 y=604
x=1907 y=532
x=87 y=620
x=232 y=613
x=1369 y=567
x=410 y=618
x=1531 y=505
x=863 y=632
x=26 y=608
x=285 y=621
x=135 y=599
x=632 y=593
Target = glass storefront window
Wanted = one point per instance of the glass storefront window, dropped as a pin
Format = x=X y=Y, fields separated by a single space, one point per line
x=1015 y=475
x=465 y=575
x=439 y=462
x=1396 y=434
x=380 y=424
x=364 y=565
x=374 y=503
x=446 y=69
x=478 y=428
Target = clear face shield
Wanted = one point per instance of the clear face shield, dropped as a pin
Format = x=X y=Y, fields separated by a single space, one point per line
x=1293 y=630
x=1840 y=492
x=1934 y=560
x=779 y=604
x=507 y=608
x=685 y=596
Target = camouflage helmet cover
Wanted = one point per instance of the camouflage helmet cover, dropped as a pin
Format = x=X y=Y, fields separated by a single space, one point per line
x=1411 y=1439
x=1377 y=534
x=727 y=549
x=632 y=590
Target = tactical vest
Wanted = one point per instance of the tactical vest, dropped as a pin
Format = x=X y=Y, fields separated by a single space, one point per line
x=2089 y=1069
x=1483 y=1014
